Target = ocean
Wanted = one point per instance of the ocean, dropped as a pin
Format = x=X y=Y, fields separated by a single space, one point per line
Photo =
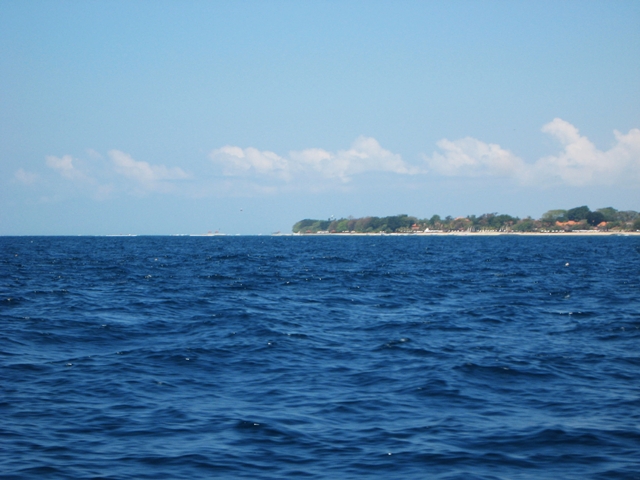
x=336 y=357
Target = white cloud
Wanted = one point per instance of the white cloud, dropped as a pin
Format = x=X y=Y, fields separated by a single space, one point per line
x=100 y=184
x=249 y=171
x=365 y=155
x=27 y=178
x=580 y=163
x=244 y=161
x=150 y=177
x=65 y=167
x=471 y=157
x=92 y=153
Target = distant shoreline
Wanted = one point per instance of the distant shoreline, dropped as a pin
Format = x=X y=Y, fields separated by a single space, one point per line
x=579 y=220
x=585 y=233
x=593 y=233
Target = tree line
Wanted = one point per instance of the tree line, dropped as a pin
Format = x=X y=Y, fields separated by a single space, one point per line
x=574 y=219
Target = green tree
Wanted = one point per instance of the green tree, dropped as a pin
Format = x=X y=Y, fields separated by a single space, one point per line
x=362 y=224
x=343 y=225
x=376 y=224
x=500 y=222
x=553 y=216
x=595 y=218
x=578 y=214
x=627 y=216
x=460 y=224
x=400 y=222
x=525 y=225
x=303 y=225
x=610 y=214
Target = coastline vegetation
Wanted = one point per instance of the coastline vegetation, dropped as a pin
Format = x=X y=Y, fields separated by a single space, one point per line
x=574 y=219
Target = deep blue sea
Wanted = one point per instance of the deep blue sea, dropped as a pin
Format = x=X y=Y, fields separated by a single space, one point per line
x=320 y=357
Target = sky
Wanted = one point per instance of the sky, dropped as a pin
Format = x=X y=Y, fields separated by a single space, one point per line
x=172 y=117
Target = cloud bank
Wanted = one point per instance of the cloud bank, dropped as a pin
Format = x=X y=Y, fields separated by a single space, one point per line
x=579 y=163
x=365 y=155
x=470 y=157
x=65 y=167
x=25 y=177
x=147 y=176
x=249 y=171
x=100 y=176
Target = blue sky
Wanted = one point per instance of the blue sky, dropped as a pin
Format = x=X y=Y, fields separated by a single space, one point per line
x=156 y=117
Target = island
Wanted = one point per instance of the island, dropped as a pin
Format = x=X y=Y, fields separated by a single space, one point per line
x=575 y=220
